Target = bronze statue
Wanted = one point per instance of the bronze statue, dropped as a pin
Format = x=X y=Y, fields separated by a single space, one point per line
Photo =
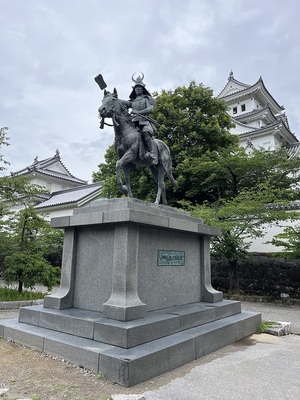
x=141 y=102
x=129 y=144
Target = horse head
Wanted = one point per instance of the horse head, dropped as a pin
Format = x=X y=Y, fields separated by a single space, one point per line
x=107 y=108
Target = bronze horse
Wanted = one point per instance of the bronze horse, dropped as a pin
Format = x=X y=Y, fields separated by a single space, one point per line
x=130 y=148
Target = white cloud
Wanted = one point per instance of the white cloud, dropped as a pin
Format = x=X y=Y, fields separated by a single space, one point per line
x=51 y=51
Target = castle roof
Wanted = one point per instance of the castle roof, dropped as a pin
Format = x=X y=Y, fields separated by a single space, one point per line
x=277 y=127
x=75 y=197
x=293 y=150
x=235 y=90
x=51 y=167
x=264 y=113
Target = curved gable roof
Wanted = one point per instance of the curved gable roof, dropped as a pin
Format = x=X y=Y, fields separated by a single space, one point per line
x=232 y=86
x=235 y=90
x=52 y=166
x=261 y=113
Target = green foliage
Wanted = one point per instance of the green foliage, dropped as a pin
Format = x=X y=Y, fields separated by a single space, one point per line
x=107 y=174
x=218 y=181
x=247 y=192
x=28 y=245
x=7 y=294
x=191 y=122
x=289 y=239
x=225 y=173
x=14 y=189
x=27 y=242
x=28 y=268
x=3 y=142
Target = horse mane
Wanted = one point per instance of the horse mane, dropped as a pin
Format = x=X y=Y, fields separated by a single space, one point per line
x=124 y=108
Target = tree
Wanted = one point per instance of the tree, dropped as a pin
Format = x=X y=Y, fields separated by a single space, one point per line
x=249 y=191
x=191 y=122
x=14 y=189
x=3 y=142
x=217 y=180
x=289 y=239
x=28 y=245
x=29 y=240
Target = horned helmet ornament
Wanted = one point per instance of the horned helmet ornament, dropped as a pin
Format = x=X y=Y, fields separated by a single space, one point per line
x=137 y=78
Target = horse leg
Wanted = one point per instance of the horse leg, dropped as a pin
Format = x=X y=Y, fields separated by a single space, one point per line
x=161 y=185
x=122 y=164
x=127 y=179
x=122 y=187
x=158 y=174
x=154 y=170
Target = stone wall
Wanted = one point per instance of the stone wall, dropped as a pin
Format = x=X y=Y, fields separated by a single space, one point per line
x=261 y=275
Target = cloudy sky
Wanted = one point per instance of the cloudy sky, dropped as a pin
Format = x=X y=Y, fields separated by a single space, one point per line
x=51 y=50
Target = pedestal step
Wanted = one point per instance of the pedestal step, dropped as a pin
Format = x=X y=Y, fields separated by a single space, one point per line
x=137 y=364
x=155 y=325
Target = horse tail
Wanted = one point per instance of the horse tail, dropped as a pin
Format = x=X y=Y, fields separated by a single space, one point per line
x=170 y=174
x=164 y=157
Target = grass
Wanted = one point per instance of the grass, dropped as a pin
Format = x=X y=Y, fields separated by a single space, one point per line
x=265 y=325
x=7 y=294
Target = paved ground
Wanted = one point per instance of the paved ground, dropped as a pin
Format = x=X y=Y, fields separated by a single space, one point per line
x=261 y=366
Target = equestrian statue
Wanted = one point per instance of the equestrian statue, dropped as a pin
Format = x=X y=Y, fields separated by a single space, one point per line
x=135 y=143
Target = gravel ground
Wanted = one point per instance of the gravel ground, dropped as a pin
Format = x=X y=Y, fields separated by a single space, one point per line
x=276 y=312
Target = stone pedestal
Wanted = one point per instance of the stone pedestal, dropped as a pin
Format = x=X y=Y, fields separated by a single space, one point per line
x=124 y=257
x=135 y=298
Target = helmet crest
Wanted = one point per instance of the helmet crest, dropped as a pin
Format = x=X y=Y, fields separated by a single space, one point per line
x=138 y=80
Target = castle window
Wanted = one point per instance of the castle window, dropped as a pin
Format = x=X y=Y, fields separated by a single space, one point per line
x=234 y=110
x=243 y=107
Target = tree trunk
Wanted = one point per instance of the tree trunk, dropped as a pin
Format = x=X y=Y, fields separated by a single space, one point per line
x=20 y=288
x=233 y=275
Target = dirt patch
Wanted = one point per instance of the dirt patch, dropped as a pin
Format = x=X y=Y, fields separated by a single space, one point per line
x=34 y=375
x=31 y=374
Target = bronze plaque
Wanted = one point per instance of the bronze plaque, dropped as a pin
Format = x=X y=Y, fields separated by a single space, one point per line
x=170 y=257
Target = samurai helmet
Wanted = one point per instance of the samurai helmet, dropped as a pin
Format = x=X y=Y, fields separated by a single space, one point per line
x=138 y=82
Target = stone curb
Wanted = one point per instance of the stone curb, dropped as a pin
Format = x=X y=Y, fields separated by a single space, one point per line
x=13 y=305
x=279 y=329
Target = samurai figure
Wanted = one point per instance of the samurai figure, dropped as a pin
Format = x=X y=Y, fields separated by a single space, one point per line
x=142 y=103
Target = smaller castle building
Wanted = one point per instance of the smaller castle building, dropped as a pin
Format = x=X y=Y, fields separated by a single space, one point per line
x=63 y=191
x=259 y=120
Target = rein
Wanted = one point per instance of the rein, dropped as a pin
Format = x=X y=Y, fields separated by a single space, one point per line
x=114 y=116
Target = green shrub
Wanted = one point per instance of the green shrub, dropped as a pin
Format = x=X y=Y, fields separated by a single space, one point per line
x=7 y=294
